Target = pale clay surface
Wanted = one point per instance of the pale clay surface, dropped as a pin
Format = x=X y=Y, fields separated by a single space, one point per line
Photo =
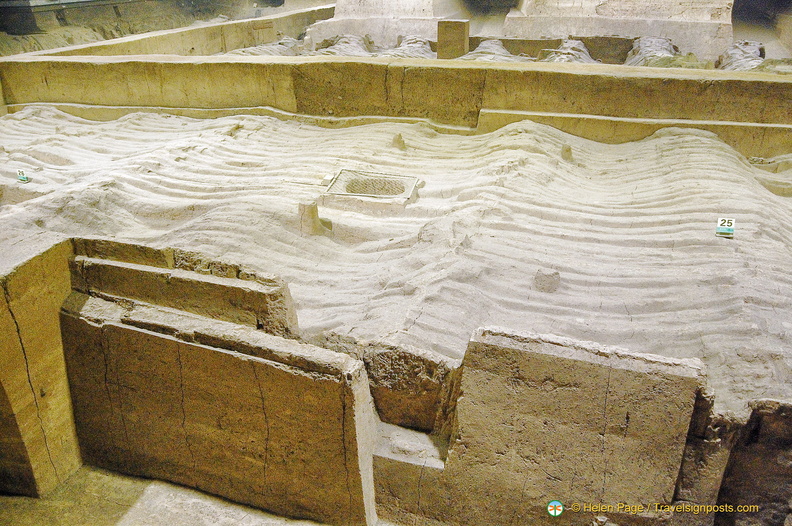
x=630 y=229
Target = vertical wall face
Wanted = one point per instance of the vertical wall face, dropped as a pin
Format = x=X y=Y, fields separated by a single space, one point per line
x=709 y=444
x=16 y=473
x=760 y=469
x=452 y=38
x=208 y=39
x=543 y=418
x=293 y=438
x=36 y=427
x=3 y=107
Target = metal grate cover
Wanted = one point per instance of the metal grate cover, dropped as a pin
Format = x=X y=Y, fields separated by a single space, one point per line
x=369 y=184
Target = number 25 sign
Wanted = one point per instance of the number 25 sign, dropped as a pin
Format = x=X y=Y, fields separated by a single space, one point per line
x=725 y=227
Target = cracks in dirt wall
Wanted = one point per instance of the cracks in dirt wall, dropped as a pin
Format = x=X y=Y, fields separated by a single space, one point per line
x=183 y=412
x=605 y=435
x=344 y=386
x=420 y=482
x=266 y=420
x=105 y=345
x=7 y=297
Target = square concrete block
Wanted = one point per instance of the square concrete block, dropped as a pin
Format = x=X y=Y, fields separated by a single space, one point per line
x=453 y=38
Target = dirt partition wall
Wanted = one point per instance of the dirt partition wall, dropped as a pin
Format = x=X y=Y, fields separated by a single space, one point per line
x=38 y=444
x=541 y=418
x=347 y=87
x=207 y=39
x=293 y=439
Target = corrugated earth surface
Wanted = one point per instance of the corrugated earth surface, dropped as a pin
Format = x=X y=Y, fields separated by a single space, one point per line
x=526 y=227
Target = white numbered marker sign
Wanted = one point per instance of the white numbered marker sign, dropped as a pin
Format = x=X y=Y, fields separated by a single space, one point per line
x=725 y=227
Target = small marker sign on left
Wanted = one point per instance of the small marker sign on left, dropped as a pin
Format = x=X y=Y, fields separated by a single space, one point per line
x=22 y=177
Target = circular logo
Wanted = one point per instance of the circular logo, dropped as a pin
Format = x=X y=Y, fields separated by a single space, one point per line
x=555 y=508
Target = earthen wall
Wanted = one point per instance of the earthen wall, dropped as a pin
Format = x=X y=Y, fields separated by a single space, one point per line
x=37 y=431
